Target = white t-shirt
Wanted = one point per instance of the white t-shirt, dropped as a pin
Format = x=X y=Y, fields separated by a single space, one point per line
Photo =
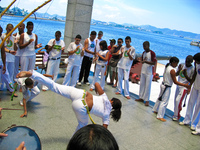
x=56 y=50
x=125 y=62
x=167 y=79
x=197 y=79
x=10 y=46
x=147 y=68
x=76 y=58
x=101 y=61
x=91 y=47
x=19 y=51
x=30 y=49
x=190 y=72
x=102 y=107
x=97 y=44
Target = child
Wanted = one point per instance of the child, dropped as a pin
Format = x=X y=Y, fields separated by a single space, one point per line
x=101 y=65
x=193 y=116
x=148 y=61
x=169 y=77
x=180 y=90
x=45 y=55
x=75 y=52
x=127 y=54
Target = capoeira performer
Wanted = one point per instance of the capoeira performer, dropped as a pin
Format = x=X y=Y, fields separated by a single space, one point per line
x=169 y=77
x=89 y=47
x=55 y=48
x=193 y=115
x=181 y=91
x=103 y=56
x=29 y=91
x=10 y=47
x=2 y=59
x=83 y=103
x=148 y=60
x=19 y=51
x=75 y=52
x=28 y=43
x=127 y=54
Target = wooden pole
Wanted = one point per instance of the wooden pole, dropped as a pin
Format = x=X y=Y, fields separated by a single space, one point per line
x=7 y=8
x=22 y=22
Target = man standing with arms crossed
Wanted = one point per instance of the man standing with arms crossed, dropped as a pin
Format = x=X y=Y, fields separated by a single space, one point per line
x=28 y=43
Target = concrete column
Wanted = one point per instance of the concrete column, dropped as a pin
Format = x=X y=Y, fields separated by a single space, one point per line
x=78 y=18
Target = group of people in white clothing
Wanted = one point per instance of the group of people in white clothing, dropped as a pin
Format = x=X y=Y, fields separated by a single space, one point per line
x=19 y=49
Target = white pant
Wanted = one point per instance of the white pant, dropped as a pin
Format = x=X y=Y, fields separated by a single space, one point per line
x=7 y=80
x=76 y=95
x=71 y=73
x=180 y=94
x=123 y=73
x=198 y=126
x=17 y=62
x=160 y=106
x=145 y=86
x=27 y=63
x=99 y=69
x=191 y=117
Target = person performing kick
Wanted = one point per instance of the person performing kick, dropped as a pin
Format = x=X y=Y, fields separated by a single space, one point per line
x=83 y=102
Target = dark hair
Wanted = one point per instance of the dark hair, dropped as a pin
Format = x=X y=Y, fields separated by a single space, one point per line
x=93 y=137
x=196 y=57
x=58 y=32
x=30 y=23
x=104 y=45
x=128 y=38
x=120 y=39
x=146 y=43
x=9 y=25
x=116 y=109
x=28 y=82
x=172 y=59
x=78 y=36
x=190 y=58
x=93 y=33
x=46 y=47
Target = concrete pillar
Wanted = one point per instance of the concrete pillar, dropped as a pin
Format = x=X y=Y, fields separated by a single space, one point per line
x=78 y=18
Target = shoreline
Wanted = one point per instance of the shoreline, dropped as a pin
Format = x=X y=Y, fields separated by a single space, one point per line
x=34 y=18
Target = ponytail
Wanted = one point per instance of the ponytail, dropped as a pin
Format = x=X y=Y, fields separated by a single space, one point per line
x=116 y=110
x=172 y=59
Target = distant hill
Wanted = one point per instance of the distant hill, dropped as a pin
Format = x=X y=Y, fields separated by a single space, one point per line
x=149 y=28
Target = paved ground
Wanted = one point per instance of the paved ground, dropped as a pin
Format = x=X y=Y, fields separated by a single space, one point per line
x=52 y=117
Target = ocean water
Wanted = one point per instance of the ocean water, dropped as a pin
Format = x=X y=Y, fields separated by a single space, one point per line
x=162 y=45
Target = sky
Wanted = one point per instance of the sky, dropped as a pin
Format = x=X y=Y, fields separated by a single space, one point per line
x=174 y=14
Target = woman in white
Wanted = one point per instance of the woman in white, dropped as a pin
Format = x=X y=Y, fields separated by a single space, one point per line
x=103 y=56
x=100 y=105
x=75 y=52
x=169 y=77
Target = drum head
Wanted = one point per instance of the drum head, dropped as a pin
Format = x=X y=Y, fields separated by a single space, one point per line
x=18 y=134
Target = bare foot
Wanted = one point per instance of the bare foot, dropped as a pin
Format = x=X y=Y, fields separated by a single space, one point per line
x=128 y=97
x=162 y=119
x=117 y=93
x=24 y=74
x=147 y=103
x=91 y=89
x=139 y=100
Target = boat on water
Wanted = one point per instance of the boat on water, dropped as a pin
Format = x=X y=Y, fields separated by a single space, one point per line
x=195 y=43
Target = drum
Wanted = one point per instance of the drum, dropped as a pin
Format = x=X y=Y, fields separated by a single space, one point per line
x=18 y=134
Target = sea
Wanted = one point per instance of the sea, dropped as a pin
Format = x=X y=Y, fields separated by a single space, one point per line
x=161 y=44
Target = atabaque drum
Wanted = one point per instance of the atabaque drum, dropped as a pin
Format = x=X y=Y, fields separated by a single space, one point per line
x=18 y=134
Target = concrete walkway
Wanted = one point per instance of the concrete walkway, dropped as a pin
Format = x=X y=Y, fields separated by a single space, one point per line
x=53 y=119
